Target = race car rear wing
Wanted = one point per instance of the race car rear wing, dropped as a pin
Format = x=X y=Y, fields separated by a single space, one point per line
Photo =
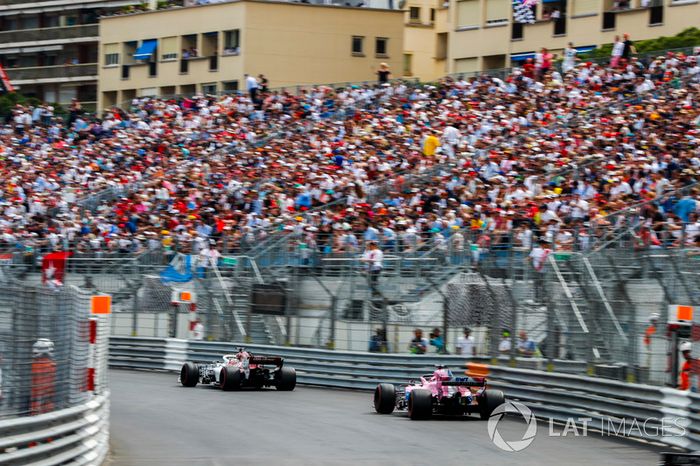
x=276 y=360
x=465 y=383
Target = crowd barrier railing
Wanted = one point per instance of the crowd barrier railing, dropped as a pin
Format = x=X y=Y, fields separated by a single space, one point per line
x=76 y=435
x=655 y=414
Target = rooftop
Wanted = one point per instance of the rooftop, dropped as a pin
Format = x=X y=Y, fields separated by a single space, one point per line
x=396 y=5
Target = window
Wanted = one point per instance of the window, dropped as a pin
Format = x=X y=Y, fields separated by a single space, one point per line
x=357 y=45
x=497 y=11
x=407 y=64
x=414 y=14
x=209 y=89
x=169 y=48
x=230 y=86
x=111 y=59
x=432 y=15
x=468 y=13
x=232 y=42
x=380 y=46
x=111 y=53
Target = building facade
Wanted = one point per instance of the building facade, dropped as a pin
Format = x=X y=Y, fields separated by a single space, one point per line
x=210 y=48
x=49 y=48
x=483 y=35
x=426 y=31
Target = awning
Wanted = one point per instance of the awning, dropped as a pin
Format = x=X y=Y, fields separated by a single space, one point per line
x=585 y=48
x=522 y=56
x=146 y=50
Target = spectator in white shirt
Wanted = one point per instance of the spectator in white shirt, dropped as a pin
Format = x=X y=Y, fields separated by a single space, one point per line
x=466 y=344
x=374 y=258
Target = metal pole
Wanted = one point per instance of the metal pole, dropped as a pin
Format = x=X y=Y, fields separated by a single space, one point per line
x=334 y=308
x=445 y=315
x=134 y=314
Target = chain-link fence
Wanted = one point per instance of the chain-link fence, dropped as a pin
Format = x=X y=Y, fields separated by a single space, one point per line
x=48 y=349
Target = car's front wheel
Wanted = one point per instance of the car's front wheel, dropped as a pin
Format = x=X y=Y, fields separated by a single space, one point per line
x=384 y=398
x=230 y=378
x=189 y=374
x=420 y=404
x=490 y=400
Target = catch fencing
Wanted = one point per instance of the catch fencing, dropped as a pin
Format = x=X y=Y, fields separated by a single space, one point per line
x=668 y=416
x=54 y=399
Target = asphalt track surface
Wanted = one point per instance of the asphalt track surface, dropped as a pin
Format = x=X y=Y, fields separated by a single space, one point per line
x=155 y=421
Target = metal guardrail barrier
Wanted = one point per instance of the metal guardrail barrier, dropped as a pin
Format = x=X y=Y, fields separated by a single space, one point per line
x=77 y=435
x=558 y=397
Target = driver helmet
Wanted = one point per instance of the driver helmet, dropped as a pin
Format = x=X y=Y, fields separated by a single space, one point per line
x=42 y=347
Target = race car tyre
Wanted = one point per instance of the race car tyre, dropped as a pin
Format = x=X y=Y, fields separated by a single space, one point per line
x=384 y=398
x=189 y=374
x=490 y=400
x=230 y=378
x=420 y=404
x=286 y=379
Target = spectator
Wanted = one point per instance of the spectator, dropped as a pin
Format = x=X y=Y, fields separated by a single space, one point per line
x=252 y=87
x=465 y=344
x=629 y=48
x=383 y=73
x=570 y=59
x=419 y=345
x=378 y=342
x=430 y=143
x=198 y=329
x=526 y=346
x=687 y=367
x=649 y=334
x=374 y=260
x=437 y=341
x=538 y=257
x=504 y=346
x=263 y=82
x=618 y=49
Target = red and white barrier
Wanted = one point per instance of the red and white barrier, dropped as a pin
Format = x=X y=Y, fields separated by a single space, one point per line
x=92 y=354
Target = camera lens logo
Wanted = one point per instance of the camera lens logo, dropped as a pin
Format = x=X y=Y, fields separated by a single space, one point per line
x=499 y=413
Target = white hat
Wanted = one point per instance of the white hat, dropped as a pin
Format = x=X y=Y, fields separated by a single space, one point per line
x=685 y=346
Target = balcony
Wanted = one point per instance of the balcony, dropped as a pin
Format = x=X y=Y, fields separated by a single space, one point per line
x=7 y=38
x=63 y=73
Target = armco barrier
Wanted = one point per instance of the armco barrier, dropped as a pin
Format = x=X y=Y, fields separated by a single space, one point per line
x=651 y=413
x=77 y=435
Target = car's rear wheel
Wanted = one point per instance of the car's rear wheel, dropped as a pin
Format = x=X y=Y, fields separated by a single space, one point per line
x=189 y=374
x=490 y=400
x=384 y=398
x=230 y=378
x=420 y=404
x=286 y=379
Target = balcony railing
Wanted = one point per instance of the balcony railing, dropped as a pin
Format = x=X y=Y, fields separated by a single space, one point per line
x=52 y=72
x=44 y=34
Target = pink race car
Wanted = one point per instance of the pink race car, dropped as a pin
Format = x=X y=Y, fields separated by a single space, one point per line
x=438 y=393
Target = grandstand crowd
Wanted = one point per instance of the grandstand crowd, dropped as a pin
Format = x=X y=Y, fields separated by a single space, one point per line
x=476 y=160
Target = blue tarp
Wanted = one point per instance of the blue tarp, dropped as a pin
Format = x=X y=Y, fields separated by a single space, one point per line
x=146 y=50
x=179 y=270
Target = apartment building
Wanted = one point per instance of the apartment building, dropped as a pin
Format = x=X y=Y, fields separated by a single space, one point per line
x=483 y=35
x=49 y=48
x=426 y=31
x=209 y=48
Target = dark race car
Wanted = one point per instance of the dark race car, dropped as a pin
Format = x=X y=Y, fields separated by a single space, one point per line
x=240 y=370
